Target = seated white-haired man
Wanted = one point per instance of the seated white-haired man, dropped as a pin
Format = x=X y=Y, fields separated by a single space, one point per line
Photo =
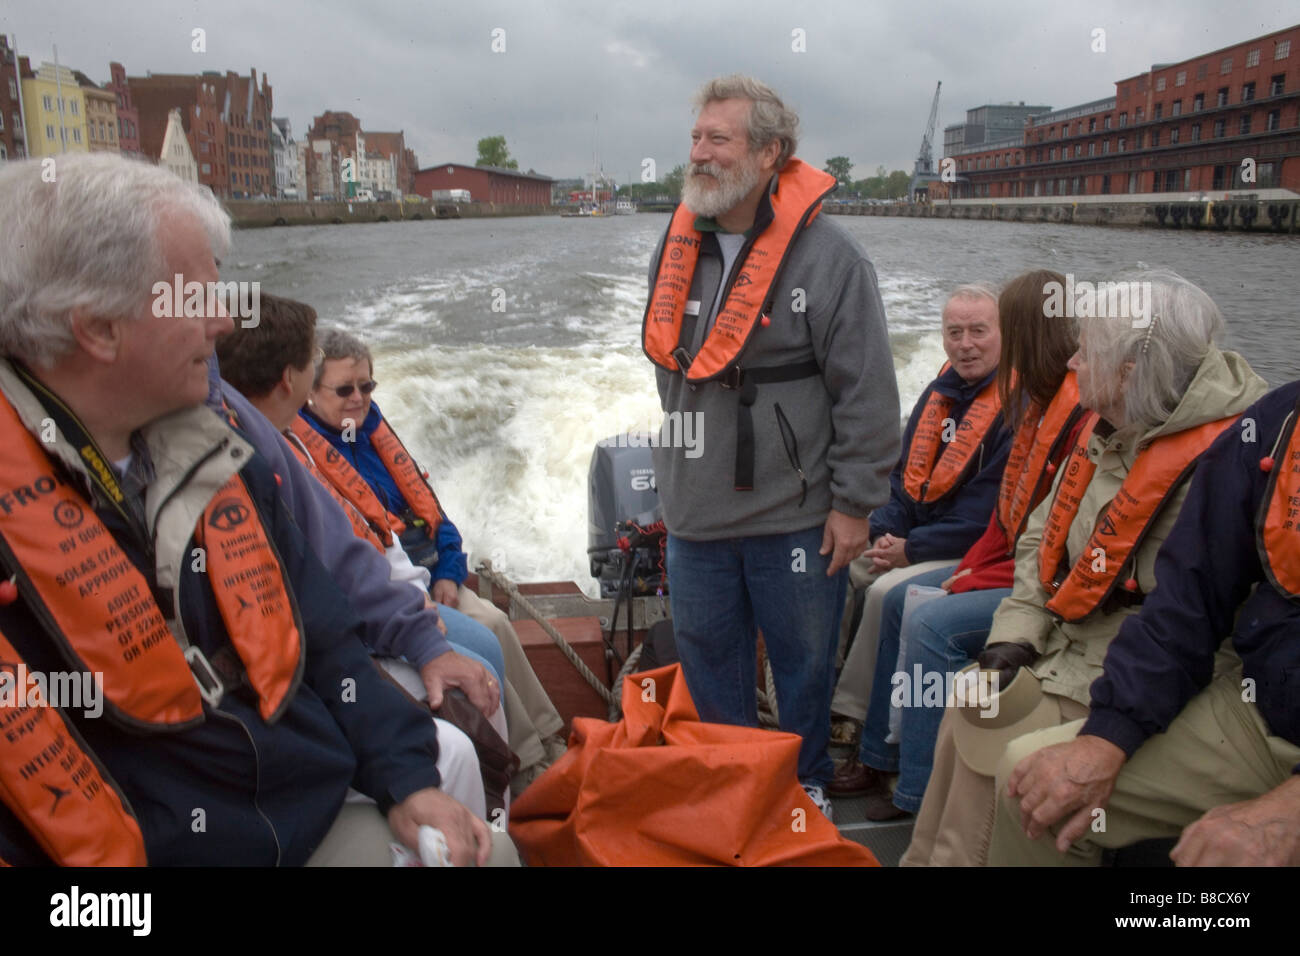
x=233 y=701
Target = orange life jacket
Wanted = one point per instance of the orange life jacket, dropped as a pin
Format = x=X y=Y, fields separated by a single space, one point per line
x=98 y=610
x=1160 y=467
x=370 y=519
x=795 y=203
x=1278 y=524
x=410 y=479
x=935 y=467
x=1030 y=464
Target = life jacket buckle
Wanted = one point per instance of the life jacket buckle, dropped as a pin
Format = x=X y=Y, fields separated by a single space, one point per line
x=682 y=358
x=205 y=676
x=730 y=379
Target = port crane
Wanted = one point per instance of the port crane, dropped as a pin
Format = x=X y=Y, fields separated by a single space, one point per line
x=923 y=172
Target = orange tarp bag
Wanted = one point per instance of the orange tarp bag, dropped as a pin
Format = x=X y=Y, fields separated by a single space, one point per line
x=660 y=788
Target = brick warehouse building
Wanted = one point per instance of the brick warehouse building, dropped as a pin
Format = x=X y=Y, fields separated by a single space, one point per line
x=13 y=135
x=1180 y=127
x=486 y=184
x=227 y=119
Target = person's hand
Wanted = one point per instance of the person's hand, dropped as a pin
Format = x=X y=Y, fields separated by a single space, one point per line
x=446 y=592
x=843 y=539
x=888 y=552
x=455 y=670
x=1065 y=780
x=1006 y=658
x=468 y=838
x=947 y=582
x=430 y=603
x=1260 y=832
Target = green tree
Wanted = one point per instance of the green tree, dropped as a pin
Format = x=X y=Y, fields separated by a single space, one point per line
x=841 y=167
x=492 y=151
x=672 y=183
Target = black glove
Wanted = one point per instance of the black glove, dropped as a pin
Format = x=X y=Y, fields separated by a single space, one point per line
x=1006 y=658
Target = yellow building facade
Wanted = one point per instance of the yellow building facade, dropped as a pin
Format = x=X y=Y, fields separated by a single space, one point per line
x=56 y=112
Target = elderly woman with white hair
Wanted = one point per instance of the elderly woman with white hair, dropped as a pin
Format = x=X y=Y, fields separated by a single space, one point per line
x=1162 y=392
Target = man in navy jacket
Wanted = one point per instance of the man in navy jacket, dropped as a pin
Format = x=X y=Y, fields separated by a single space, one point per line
x=1168 y=748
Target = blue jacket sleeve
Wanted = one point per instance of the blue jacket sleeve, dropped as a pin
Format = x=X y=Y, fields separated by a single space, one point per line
x=394 y=740
x=396 y=622
x=452 y=564
x=1164 y=656
x=951 y=535
x=897 y=515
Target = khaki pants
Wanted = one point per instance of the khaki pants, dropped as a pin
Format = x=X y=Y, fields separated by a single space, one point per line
x=530 y=715
x=955 y=825
x=1217 y=751
x=360 y=837
x=853 y=692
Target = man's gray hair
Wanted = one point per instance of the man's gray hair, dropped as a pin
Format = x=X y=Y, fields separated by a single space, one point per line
x=337 y=344
x=974 y=290
x=769 y=119
x=88 y=240
x=1184 y=324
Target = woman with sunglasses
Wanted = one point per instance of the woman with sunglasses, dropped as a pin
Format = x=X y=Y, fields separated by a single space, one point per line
x=340 y=408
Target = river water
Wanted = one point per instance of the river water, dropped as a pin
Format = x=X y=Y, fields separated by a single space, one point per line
x=506 y=348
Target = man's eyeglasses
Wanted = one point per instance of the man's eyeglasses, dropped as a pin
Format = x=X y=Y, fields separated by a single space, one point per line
x=343 y=391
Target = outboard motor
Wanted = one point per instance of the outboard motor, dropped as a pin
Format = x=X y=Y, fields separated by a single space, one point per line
x=625 y=536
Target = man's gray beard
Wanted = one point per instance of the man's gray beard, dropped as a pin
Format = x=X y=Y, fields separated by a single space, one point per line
x=733 y=186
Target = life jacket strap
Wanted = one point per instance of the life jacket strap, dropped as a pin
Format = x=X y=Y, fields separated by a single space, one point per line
x=746 y=382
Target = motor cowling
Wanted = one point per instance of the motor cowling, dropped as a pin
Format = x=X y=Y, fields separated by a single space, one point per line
x=622 y=504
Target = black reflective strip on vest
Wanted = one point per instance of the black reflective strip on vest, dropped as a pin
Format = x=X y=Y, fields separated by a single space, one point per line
x=750 y=379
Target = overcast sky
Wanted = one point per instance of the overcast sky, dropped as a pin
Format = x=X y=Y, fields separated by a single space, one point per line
x=862 y=84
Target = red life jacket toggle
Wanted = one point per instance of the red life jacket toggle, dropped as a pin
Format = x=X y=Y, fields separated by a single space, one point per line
x=1277 y=526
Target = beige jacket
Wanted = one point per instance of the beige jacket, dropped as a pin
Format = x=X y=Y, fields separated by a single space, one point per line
x=1072 y=654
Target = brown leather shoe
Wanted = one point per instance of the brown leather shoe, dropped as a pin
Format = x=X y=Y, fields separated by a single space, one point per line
x=854 y=779
x=880 y=806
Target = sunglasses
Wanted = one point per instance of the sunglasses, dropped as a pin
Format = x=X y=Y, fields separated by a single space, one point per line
x=343 y=391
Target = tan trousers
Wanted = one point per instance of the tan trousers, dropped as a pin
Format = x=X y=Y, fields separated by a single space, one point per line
x=360 y=837
x=530 y=715
x=853 y=692
x=1217 y=751
x=955 y=825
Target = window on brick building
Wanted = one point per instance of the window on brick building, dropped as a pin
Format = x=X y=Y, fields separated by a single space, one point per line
x=1105 y=147
x=1105 y=123
x=1092 y=149
x=1218 y=128
x=1051 y=154
x=13 y=90
x=1243 y=126
x=1137 y=141
x=1176 y=108
x=1266 y=176
x=1274 y=120
x=1283 y=50
x=1196 y=133
x=1078 y=150
x=1155 y=137
x=1173 y=135
x=1160 y=85
x=1220 y=177
x=1105 y=183
x=1226 y=66
x=1180 y=79
x=1252 y=58
x=1247 y=92
x=1121 y=145
x=1202 y=71
x=1198 y=102
x=1092 y=124
x=1277 y=85
x=1222 y=99
x=1138 y=114
x=1123 y=120
x=1158 y=112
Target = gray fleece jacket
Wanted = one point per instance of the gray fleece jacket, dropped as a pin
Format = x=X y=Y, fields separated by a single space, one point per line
x=845 y=422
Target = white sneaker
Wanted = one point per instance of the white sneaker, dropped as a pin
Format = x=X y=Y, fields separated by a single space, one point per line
x=818 y=797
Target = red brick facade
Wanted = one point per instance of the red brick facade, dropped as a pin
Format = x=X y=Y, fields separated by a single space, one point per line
x=128 y=117
x=13 y=137
x=1181 y=127
x=486 y=184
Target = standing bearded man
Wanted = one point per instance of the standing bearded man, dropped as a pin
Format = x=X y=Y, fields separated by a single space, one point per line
x=765 y=322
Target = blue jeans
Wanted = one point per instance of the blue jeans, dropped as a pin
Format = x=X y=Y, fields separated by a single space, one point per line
x=469 y=637
x=943 y=637
x=722 y=592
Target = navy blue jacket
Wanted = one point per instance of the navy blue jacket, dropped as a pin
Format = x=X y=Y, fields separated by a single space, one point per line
x=946 y=529
x=1164 y=656
x=361 y=455
x=268 y=793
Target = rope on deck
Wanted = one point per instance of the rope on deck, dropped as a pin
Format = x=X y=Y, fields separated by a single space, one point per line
x=500 y=580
